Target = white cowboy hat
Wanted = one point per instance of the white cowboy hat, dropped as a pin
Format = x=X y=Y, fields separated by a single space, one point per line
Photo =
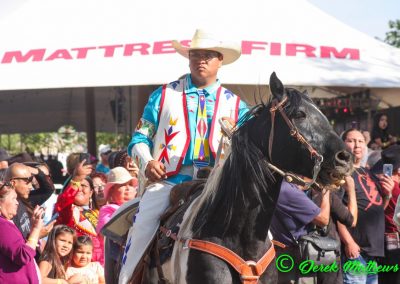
x=204 y=40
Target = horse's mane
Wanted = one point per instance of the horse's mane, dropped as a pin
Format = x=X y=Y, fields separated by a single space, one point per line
x=245 y=169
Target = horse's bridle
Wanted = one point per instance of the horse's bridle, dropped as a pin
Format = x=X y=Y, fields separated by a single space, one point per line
x=294 y=132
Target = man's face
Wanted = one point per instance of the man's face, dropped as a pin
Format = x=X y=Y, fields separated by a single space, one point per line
x=204 y=64
x=104 y=157
x=22 y=182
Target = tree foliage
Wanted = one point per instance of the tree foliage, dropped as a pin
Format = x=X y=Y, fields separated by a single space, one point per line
x=66 y=140
x=393 y=36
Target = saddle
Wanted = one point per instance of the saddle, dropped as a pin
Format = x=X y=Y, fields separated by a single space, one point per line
x=160 y=249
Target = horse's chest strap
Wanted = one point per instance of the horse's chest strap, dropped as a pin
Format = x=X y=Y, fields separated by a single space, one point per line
x=250 y=271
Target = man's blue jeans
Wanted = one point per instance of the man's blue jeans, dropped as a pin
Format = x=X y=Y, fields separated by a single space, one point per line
x=353 y=275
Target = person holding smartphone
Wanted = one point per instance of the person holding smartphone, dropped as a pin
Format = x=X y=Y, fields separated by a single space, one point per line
x=78 y=207
x=364 y=243
x=390 y=161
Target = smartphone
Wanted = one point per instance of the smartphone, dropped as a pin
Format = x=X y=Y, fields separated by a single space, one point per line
x=387 y=169
x=54 y=217
x=84 y=156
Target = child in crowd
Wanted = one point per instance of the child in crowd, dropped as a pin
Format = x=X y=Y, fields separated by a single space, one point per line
x=56 y=255
x=92 y=272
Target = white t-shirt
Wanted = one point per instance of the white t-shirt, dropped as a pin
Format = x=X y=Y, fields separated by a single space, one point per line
x=90 y=271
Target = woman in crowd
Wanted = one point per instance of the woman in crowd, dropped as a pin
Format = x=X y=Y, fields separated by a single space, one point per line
x=77 y=206
x=364 y=242
x=380 y=135
x=120 y=188
x=56 y=256
x=17 y=255
x=99 y=181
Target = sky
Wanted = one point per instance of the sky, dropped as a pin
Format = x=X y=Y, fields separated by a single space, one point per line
x=368 y=16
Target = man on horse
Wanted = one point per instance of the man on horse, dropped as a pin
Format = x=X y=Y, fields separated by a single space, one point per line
x=178 y=134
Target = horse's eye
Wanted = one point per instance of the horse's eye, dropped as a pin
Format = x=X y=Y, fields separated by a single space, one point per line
x=300 y=115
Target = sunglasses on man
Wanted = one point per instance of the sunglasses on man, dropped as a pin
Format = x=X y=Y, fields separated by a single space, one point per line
x=27 y=180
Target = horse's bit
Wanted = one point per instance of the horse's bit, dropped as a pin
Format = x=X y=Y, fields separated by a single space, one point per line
x=294 y=132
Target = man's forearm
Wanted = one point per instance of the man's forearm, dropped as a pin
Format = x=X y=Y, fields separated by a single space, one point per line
x=45 y=190
x=141 y=153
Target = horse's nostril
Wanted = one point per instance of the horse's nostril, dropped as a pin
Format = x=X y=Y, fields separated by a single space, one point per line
x=343 y=156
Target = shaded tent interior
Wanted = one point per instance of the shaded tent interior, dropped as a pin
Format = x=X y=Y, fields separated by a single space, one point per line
x=44 y=93
x=116 y=109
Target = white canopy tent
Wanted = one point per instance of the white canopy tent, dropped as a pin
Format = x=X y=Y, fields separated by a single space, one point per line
x=58 y=44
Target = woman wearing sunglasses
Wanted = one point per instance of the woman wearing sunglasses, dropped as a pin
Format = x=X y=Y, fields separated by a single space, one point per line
x=99 y=181
x=17 y=254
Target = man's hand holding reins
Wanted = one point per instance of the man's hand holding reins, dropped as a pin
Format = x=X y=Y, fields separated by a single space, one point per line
x=155 y=171
x=230 y=120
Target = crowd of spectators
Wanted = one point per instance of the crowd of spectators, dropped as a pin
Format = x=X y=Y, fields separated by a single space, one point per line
x=41 y=247
x=55 y=236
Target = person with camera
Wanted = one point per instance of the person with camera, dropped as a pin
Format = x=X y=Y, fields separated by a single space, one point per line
x=77 y=206
x=17 y=253
x=364 y=243
x=389 y=165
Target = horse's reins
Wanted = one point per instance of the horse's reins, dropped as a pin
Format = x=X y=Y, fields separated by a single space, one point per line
x=294 y=132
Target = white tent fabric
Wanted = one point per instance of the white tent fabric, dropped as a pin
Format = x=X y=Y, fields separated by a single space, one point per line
x=48 y=44
x=57 y=44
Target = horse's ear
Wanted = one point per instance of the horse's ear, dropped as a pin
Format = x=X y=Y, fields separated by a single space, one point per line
x=276 y=87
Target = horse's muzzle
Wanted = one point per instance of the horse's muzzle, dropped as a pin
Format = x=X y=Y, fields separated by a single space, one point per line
x=342 y=166
x=343 y=159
